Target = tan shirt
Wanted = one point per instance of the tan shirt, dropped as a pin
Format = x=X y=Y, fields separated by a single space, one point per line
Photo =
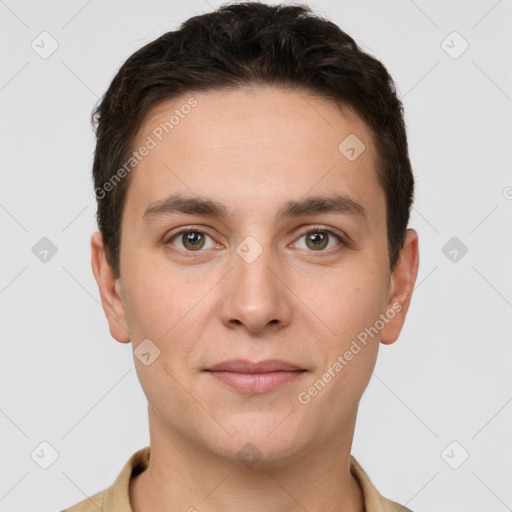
x=116 y=497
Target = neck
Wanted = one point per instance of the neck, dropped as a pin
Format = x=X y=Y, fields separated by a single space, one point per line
x=183 y=476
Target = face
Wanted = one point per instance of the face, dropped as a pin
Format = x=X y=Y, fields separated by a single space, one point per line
x=248 y=235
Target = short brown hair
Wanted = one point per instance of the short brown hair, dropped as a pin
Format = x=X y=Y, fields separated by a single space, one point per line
x=250 y=44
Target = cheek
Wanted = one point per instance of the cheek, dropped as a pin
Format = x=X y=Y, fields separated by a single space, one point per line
x=169 y=318
x=152 y=308
x=349 y=354
x=169 y=311
x=350 y=303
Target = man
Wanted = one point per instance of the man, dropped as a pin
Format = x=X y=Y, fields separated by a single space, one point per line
x=254 y=189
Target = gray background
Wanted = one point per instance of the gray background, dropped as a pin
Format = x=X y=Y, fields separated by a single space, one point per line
x=66 y=382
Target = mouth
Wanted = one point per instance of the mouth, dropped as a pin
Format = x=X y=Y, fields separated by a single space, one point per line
x=251 y=378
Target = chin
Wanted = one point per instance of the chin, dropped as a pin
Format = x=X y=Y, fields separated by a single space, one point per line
x=260 y=445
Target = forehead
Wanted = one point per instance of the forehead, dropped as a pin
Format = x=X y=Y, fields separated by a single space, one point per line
x=254 y=147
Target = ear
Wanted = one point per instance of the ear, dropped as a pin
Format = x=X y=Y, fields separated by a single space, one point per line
x=401 y=288
x=109 y=287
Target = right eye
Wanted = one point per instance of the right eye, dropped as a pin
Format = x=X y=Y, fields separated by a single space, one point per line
x=191 y=240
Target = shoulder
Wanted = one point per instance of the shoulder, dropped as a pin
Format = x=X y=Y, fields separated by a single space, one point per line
x=92 y=504
x=396 y=507
x=115 y=497
x=374 y=500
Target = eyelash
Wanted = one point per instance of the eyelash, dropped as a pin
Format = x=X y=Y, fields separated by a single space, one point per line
x=314 y=229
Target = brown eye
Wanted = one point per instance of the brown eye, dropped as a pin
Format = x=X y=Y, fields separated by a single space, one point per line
x=318 y=240
x=191 y=240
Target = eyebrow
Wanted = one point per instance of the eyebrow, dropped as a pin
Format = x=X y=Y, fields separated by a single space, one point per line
x=195 y=205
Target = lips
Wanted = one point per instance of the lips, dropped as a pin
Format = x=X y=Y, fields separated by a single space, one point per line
x=249 y=377
x=243 y=366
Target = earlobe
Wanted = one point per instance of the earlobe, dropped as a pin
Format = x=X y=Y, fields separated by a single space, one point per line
x=109 y=288
x=403 y=280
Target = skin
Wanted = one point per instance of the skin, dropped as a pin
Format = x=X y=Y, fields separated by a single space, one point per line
x=253 y=150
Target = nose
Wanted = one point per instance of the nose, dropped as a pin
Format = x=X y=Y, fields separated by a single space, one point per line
x=255 y=294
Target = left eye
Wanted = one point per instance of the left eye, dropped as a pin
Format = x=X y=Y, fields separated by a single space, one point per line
x=319 y=239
